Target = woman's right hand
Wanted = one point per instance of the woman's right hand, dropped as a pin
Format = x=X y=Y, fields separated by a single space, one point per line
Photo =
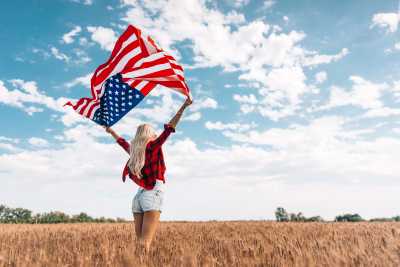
x=188 y=102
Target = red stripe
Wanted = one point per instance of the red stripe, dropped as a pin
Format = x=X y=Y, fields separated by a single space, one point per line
x=147 y=88
x=125 y=36
x=91 y=109
x=148 y=64
x=106 y=72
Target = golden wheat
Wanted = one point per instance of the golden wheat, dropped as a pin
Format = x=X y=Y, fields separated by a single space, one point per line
x=251 y=243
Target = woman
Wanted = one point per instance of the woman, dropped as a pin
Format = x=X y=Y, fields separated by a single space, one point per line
x=146 y=168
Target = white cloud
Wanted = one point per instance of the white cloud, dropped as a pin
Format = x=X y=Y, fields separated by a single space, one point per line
x=82 y=80
x=321 y=77
x=207 y=29
x=205 y=103
x=240 y=3
x=389 y=21
x=302 y=161
x=26 y=93
x=247 y=99
x=85 y=2
x=68 y=38
x=38 y=142
x=58 y=55
x=220 y=126
x=382 y=112
x=324 y=59
x=363 y=93
x=269 y=3
x=106 y=37
x=192 y=117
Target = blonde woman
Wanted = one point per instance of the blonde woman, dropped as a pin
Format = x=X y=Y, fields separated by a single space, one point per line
x=146 y=168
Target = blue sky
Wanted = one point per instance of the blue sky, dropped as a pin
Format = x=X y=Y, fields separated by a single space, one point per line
x=296 y=104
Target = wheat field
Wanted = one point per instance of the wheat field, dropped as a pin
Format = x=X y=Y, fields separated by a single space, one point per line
x=233 y=243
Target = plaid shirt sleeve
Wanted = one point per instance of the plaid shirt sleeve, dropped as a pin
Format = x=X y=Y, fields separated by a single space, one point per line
x=159 y=141
x=125 y=145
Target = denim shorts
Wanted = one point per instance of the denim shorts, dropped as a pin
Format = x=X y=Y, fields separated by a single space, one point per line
x=146 y=200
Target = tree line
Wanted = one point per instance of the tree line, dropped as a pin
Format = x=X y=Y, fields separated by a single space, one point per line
x=21 y=215
x=282 y=215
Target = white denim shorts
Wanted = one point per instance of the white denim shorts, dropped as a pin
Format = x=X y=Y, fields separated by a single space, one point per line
x=146 y=200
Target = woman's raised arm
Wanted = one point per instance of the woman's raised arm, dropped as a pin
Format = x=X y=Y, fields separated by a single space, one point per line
x=112 y=132
x=174 y=121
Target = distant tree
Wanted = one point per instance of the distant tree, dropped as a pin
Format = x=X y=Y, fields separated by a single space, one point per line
x=52 y=217
x=349 y=218
x=396 y=218
x=281 y=215
x=82 y=217
x=299 y=217
x=315 y=219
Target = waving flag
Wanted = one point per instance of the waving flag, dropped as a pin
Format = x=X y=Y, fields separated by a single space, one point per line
x=135 y=67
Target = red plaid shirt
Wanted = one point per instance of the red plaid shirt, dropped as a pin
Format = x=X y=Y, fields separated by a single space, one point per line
x=154 y=165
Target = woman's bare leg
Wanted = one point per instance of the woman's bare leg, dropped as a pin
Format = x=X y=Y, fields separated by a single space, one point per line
x=149 y=226
x=138 y=217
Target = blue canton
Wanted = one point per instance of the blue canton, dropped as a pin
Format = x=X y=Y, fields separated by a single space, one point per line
x=118 y=99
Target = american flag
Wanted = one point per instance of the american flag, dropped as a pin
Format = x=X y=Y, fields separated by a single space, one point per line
x=136 y=66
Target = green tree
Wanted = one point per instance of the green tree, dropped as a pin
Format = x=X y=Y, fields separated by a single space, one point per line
x=349 y=218
x=281 y=215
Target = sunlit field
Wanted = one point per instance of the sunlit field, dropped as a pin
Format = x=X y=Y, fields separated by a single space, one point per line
x=237 y=243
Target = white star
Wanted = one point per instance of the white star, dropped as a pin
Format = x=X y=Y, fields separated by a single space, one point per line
x=111 y=85
x=122 y=104
x=109 y=92
x=123 y=85
x=116 y=104
x=130 y=103
x=122 y=93
x=123 y=98
x=130 y=97
x=116 y=92
x=111 y=78
x=137 y=96
x=123 y=109
x=117 y=85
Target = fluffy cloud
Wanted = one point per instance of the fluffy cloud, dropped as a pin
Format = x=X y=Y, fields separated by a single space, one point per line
x=58 y=55
x=208 y=29
x=84 y=2
x=82 y=80
x=105 y=37
x=25 y=94
x=68 y=37
x=38 y=142
x=314 y=156
x=321 y=77
x=363 y=93
x=388 y=21
x=240 y=127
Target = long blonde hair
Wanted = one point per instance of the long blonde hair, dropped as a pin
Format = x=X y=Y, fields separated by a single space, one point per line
x=144 y=134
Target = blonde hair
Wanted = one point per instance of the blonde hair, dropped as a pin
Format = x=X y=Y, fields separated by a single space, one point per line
x=144 y=134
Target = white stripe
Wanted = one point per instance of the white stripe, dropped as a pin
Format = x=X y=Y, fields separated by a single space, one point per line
x=94 y=111
x=121 y=65
x=148 y=59
x=145 y=71
x=131 y=39
x=85 y=113
x=83 y=104
x=141 y=85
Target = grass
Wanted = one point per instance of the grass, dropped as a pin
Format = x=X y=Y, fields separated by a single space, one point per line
x=236 y=243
